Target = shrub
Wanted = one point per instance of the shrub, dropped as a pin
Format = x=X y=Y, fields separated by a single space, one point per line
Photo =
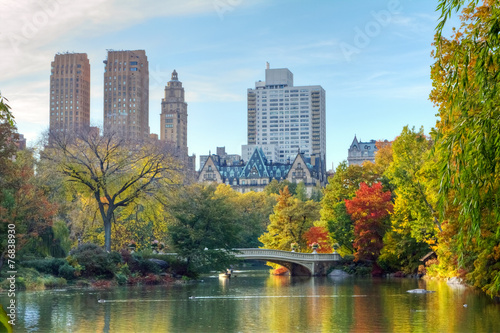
x=67 y=272
x=121 y=278
x=95 y=260
x=151 y=279
x=123 y=269
x=47 y=266
x=115 y=257
x=53 y=282
x=27 y=278
x=126 y=256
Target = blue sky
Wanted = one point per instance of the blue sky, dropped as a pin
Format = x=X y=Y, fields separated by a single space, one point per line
x=372 y=57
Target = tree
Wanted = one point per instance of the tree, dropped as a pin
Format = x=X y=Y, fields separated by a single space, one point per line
x=341 y=186
x=8 y=137
x=466 y=90
x=301 y=192
x=413 y=174
x=204 y=229
x=341 y=228
x=24 y=205
x=274 y=187
x=113 y=171
x=319 y=235
x=289 y=222
x=369 y=210
x=316 y=193
x=253 y=210
x=5 y=113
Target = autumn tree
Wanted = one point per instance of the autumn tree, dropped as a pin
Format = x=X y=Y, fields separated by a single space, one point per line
x=290 y=220
x=203 y=230
x=319 y=235
x=466 y=90
x=301 y=192
x=413 y=173
x=274 y=187
x=114 y=171
x=24 y=205
x=8 y=137
x=341 y=186
x=414 y=223
x=253 y=211
x=369 y=210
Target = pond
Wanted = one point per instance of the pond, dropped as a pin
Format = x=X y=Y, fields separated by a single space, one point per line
x=254 y=301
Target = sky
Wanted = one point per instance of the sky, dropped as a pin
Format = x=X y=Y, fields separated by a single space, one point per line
x=372 y=58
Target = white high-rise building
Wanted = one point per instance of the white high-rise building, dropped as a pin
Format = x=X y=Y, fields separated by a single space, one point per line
x=290 y=117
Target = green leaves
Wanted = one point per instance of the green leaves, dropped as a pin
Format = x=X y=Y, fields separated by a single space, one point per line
x=5 y=113
x=466 y=89
x=291 y=219
x=204 y=229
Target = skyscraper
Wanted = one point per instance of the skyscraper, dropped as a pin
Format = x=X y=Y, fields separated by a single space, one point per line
x=290 y=117
x=126 y=93
x=69 y=92
x=174 y=116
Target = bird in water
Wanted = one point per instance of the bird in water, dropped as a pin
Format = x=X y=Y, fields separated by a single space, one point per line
x=465 y=305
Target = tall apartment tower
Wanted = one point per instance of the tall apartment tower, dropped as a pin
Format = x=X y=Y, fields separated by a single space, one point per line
x=126 y=93
x=174 y=116
x=287 y=118
x=69 y=92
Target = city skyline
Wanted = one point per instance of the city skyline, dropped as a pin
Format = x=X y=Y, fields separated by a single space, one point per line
x=372 y=58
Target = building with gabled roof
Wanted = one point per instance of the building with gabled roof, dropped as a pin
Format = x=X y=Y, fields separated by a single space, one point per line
x=257 y=172
x=360 y=152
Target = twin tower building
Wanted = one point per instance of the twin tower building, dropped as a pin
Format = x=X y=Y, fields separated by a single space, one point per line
x=126 y=98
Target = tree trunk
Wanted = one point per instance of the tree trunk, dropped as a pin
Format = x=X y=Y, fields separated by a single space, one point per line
x=107 y=233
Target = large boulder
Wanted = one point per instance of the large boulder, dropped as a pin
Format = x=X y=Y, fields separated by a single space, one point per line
x=162 y=263
x=338 y=273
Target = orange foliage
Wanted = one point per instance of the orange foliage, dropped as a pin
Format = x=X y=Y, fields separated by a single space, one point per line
x=279 y=271
x=319 y=235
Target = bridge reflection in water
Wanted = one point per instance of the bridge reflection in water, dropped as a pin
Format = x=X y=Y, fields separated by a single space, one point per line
x=315 y=264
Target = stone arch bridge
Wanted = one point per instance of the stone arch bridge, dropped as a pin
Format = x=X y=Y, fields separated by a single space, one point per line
x=315 y=264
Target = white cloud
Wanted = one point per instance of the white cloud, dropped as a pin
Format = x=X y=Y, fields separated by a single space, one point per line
x=31 y=29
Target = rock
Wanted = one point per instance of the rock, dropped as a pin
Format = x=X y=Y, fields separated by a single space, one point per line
x=162 y=263
x=338 y=273
x=420 y=291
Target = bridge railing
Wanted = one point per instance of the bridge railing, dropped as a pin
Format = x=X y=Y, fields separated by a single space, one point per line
x=287 y=254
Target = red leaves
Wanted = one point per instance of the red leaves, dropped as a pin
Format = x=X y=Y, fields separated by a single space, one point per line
x=318 y=235
x=369 y=211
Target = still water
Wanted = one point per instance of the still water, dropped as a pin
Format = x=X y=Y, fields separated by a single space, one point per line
x=253 y=301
